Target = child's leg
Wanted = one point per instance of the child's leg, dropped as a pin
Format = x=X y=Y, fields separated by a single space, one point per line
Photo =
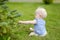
x=44 y=34
x=33 y=34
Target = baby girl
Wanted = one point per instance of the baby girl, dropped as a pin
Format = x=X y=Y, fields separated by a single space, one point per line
x=38 y=22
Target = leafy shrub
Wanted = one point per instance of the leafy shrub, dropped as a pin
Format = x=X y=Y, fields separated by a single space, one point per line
x=3 y=2
x=8 y=22
x=48 y=1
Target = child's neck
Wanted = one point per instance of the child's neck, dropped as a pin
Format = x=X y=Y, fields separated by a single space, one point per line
x=38 y=17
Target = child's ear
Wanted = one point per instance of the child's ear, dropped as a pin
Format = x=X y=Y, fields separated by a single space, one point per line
x=40 y=15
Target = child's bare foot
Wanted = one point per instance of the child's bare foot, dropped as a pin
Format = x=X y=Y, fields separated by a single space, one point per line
x=33 y=34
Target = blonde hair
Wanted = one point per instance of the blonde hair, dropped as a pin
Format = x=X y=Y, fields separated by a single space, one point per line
x=42 y=11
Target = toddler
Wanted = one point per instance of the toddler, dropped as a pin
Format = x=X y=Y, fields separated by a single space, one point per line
x=39 y=23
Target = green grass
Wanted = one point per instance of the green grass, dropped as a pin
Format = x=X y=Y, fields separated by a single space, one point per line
x=28 y=11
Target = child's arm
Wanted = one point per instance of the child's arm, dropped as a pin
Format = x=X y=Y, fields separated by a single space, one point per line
x=28 y=22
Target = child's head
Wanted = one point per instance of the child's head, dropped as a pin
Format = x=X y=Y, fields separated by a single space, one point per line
x=41 y=12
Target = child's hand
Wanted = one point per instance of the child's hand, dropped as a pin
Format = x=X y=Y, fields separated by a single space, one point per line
x=20 y=22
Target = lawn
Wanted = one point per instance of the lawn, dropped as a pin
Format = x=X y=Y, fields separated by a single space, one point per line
x=28 y=11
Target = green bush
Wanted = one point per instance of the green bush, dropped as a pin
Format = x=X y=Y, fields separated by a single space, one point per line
x=8 y=22
x=3 y=2
x=48 y=1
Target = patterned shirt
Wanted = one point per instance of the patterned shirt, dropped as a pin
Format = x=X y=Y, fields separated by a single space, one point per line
x=39 y=27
